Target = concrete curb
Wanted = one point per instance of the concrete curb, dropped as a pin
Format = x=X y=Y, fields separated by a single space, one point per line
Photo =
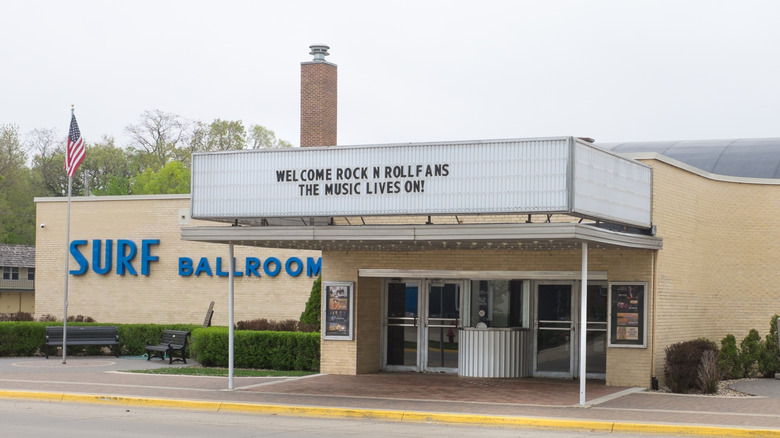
x=397 y=416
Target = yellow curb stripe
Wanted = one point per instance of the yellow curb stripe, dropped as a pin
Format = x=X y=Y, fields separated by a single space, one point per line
x=400 y=416
x=28 y=395
x=683 y=429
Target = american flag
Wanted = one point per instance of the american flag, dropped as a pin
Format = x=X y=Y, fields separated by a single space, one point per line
x=75 y=150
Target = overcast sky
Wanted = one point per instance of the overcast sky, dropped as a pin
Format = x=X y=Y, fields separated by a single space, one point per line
x=408 y=71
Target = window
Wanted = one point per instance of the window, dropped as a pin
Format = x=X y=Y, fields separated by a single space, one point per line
x=10 y=273
x=31 y=274
x=499 y=303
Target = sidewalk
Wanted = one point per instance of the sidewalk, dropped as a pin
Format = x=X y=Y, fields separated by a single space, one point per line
x=400 y=397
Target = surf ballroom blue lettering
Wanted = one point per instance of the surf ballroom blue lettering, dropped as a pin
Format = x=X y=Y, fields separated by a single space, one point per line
x=124 y=258
x=277 y=266
x=313 y=268
x=107 y=263
x=221 y=273
x=146 y=256
x=185 y=266
x=203 y=266
x=80 y=259
x=288 y=266
x=102 y=260
x=253 y=267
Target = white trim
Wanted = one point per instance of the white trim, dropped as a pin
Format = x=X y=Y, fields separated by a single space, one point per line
x=480 y=275
x=695 y=170
x=114 y=198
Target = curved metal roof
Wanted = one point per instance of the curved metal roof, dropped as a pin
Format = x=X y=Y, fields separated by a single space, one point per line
x=746 y=157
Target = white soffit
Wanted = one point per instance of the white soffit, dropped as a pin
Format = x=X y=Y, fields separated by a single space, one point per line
x=555 y=236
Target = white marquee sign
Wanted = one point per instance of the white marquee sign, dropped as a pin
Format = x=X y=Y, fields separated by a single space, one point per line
x=502 y=176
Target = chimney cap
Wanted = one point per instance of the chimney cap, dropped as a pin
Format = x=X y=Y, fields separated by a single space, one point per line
x=320 y=51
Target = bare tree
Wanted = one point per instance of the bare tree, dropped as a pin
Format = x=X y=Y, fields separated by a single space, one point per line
x=158 y=137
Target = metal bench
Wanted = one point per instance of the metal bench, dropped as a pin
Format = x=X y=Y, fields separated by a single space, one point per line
x=172 y=341
x=82 y=335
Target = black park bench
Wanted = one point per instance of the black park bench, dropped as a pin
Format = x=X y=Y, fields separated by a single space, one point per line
x=82 y=335
x=172 y=341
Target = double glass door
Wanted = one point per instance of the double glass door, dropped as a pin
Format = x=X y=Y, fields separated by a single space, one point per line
x=557 y=345
x=421 y=325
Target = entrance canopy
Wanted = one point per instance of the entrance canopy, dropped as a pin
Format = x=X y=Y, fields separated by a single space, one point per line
x=518 y=236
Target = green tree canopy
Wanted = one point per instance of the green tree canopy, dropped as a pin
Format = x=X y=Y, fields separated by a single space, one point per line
x=262 y=137
x=17 y=209
x=172 y=178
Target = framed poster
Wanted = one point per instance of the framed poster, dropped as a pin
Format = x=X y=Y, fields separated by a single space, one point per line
x=628 y=315
x=338 y=313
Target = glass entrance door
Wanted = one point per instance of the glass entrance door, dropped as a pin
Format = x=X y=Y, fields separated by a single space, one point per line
x=596 y=336
x=401 y=326
x=421 y=329
x=441 y=326
x=554 y=330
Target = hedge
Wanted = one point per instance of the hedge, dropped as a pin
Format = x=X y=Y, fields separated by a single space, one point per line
x=257 y=349
x=209 y=346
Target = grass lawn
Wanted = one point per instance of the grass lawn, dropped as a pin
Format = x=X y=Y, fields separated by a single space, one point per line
x=223 y=372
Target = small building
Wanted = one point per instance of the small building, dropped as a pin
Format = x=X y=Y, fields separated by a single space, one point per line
x=17 y=285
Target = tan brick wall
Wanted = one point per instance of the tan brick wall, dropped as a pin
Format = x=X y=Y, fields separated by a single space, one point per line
x=164 y=296
x=319 y=104
x=720 y=263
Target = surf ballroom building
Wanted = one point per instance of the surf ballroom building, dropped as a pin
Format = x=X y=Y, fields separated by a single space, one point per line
x=506 y=258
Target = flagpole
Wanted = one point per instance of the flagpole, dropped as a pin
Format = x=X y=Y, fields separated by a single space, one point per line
x=67 y=274
x=67 y=250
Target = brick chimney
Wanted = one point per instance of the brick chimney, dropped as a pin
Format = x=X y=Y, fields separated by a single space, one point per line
x=318 y=99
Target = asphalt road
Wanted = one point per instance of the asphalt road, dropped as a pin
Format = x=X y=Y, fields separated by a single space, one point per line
x=67 y=420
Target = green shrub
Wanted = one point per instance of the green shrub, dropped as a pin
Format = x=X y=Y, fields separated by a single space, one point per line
x=311 y=314
x=750 y=353
x=729 y=360
x=21 y=338
x=770 y=359
x=257 y=349
x=209 y=346
x=683 y=360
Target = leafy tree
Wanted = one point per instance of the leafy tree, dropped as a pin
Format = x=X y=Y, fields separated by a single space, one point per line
x=226 y=135
x=17 y=209
x=220 y=135
x=109 y=168
x=172 y=178
x=48 y=174
x=262 y=137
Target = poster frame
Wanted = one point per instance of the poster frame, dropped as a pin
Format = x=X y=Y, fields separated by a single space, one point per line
x=612 y=317
x=346 y=288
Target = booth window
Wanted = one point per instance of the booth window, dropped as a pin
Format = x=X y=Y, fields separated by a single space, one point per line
x=499 y=303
